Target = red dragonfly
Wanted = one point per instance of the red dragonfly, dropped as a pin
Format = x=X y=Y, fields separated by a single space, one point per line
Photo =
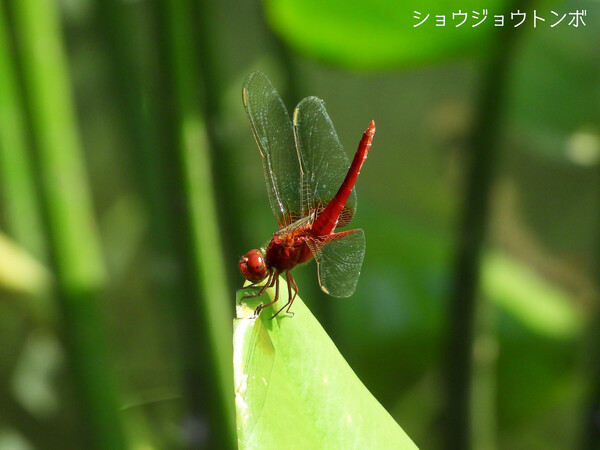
x=311 y=192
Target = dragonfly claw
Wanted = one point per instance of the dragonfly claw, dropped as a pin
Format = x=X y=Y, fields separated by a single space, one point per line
x=257 y=311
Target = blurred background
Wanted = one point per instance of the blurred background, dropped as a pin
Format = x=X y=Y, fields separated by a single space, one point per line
x=131 y=185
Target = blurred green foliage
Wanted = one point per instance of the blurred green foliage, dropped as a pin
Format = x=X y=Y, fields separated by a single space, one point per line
x=534 y=350
x=381 y=34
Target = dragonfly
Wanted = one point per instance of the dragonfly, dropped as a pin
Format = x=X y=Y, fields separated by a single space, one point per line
x=310 y=185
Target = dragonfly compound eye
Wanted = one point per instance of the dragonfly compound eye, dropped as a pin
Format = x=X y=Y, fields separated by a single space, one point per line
x=253 y=266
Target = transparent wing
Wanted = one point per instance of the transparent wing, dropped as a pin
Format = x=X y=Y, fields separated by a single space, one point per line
x=323 y=162
x=339 y=261
x=253 y=357
x=272 y=129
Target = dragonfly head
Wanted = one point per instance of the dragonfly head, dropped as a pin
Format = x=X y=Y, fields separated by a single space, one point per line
x=253 y=266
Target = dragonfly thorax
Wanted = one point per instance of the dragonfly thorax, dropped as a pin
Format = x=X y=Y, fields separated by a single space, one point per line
x=286 y=250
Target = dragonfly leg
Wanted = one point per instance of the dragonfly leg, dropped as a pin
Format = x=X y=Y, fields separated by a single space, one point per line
x=291 y=285
x=276 y=281
x=264 y=287
x=291 y=282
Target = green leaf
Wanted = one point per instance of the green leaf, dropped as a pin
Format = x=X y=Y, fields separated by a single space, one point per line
x=382 y=33
x=294 y=389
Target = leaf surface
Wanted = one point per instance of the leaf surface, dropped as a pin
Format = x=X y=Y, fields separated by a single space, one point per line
x=294 y=389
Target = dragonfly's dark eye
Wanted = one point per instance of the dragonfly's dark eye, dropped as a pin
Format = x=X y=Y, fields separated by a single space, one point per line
x=253 y=266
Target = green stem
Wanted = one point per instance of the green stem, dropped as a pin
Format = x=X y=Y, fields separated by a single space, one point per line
x=591 y=425
x=194 y=227
x=22 y=217
x=169 y=139
x=68 y=214
x=483 y=393
x=226 y=180
x=18 y=188
x=116 y=27
x=483 y=148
